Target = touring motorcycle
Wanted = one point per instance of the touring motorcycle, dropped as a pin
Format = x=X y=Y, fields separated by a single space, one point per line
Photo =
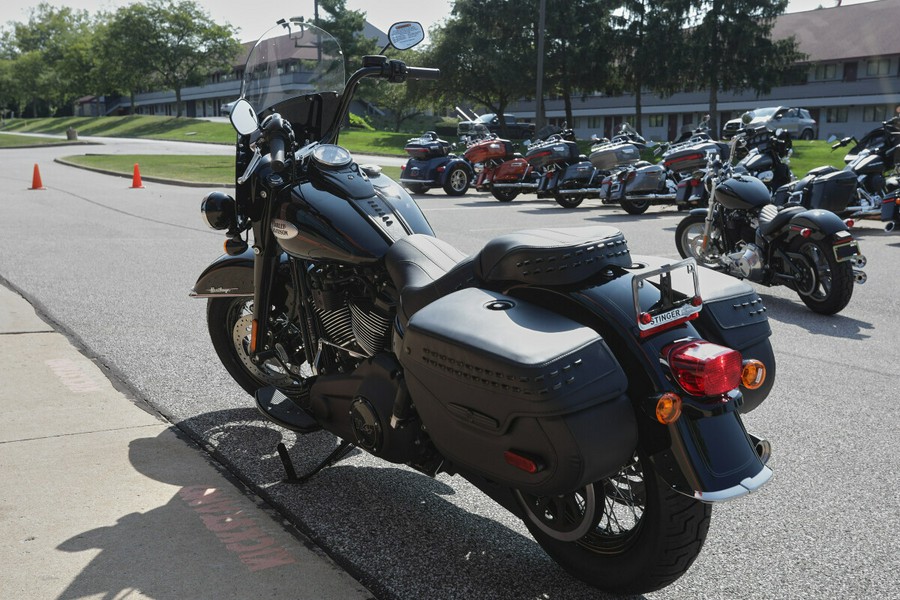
x=432 y=164
x=596 y=395
x=743 y=233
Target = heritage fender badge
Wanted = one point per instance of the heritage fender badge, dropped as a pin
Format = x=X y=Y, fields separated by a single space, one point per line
x=284 y=230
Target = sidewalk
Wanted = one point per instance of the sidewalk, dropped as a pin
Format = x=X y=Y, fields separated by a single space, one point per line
x=101 y=498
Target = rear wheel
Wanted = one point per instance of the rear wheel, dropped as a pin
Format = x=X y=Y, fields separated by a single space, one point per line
x=635 y=206
x=457 y=182
x=568 y=200
x=825 y=285
x=628 y=534
x=416 y=188
x=504 y=194
x=806 y=135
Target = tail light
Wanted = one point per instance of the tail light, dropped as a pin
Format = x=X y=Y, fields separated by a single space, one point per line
x=704 y=369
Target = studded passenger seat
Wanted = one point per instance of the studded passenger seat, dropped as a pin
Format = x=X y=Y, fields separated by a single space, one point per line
x=425 y=268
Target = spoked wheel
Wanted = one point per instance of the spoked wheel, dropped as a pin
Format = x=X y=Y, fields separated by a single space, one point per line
x=635 y=206
x=457 y=182
x=504 y=194
x=229 y=321
x=689 y=241
x=628 y=534
x=825 y=285
x=568 y=200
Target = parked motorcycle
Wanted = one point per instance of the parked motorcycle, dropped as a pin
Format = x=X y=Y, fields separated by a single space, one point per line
x=890 y=210
x=431 y=164
x=488 y=155
x=516 y=174
x=674 y=179
x=596 y=395
x=744 y=234
x=767 y=156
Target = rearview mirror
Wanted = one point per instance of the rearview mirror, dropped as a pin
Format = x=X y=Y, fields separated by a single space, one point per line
x=406 y=34
x=243 y=117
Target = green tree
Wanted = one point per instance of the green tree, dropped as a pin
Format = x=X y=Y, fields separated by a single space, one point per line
x=486 y=54
x=176 y=44
x=347 y=27
x=650 y=48
x=120 y=50
x=732 y=48
x=578 y=49
x=51 y=56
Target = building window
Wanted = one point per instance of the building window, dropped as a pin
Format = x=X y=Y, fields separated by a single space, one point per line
x=656 y=120
x=875 y=114
x=594 y=122
x=878 y=67
x=836 y=115
x=825 y=72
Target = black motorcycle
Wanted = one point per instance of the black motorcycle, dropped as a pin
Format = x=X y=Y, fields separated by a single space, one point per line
x=744 y=234
x=765 y=154
x=864 y=183
x=596 y=395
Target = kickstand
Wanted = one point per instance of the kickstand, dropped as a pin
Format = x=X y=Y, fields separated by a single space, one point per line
x=340 y=452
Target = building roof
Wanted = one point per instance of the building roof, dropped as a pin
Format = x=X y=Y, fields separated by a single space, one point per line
x=843 y=32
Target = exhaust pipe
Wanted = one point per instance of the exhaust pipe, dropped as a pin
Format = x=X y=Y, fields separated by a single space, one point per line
x=859 y=276
x=763 y=448
x=890 y=225
x=858 y=261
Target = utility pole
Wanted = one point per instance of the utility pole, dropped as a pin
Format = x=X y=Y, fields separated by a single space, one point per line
x=539 y=95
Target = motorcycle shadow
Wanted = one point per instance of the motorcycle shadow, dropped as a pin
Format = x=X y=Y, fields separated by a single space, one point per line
x=392 y=528
x=794 y=312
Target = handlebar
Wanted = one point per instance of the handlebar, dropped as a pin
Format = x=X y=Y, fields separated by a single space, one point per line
x=423 y=73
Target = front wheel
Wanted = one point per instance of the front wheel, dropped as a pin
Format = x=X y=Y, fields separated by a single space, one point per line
x=824 y=284
x=635 y=206
x=628 y=534
x=229 y=321
x=689 y=241
x=457 y=182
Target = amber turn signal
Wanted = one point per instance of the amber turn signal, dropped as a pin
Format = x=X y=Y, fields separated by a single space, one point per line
x=753 y=374
x=668 y=408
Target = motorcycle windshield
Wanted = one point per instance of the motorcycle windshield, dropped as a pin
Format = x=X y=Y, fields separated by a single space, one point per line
x=292 y=59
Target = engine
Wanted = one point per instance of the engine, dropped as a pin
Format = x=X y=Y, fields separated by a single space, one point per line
x=747 y=262
x=354 y=314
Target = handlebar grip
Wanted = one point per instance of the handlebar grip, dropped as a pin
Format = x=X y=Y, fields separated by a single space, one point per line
x=422 y=73
x=276 y=149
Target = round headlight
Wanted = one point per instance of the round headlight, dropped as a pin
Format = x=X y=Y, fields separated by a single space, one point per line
x=332 y=155
x=218 y=210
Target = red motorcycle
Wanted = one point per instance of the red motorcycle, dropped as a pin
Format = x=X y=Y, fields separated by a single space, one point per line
x=489 y=157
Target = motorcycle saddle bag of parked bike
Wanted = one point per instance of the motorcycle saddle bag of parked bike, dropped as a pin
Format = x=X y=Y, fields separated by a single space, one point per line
x=522 y=395
x=607 y=157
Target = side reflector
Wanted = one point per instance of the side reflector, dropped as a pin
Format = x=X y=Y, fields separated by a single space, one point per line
x=529 y=465
x=668 y=408
x=753 y=374
x=704 y=369
x=253 y=327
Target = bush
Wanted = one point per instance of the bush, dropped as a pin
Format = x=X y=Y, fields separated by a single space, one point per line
x=358 y=122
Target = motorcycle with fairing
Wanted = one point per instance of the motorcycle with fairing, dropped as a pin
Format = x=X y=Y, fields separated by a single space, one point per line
x=594 y=394
x=743 y=233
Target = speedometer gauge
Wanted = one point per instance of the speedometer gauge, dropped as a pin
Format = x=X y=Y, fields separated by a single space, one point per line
x=331 y=155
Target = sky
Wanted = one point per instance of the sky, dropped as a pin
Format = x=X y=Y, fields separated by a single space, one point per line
x=252 y=21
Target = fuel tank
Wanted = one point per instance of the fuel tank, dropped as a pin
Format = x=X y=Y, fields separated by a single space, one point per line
x=350 y=215
x=743 y=192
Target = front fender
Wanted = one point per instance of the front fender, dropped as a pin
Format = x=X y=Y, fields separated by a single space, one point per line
x=227 y=276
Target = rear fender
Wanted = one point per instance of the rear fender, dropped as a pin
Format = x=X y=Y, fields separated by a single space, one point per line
x=707 y=453
x=823 y=224
x=450 y=165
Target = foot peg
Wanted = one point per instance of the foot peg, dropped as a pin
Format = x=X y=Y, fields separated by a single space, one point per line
x=280 y=409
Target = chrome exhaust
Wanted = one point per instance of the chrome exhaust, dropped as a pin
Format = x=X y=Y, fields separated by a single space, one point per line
x=859 y=276
x=890 y=225
x=763 y=448
x=859 y=261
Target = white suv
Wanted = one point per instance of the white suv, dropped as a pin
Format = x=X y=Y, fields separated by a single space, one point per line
x=796 y=121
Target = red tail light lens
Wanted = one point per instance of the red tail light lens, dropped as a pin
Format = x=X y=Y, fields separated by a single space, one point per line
x=704 y=369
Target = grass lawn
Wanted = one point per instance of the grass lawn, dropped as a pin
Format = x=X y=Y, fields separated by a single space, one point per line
x=11 y=140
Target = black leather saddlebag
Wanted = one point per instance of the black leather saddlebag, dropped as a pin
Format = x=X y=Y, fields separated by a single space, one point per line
x=496 y=379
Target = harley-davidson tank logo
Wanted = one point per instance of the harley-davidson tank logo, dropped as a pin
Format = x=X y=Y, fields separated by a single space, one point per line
x=220 y=290
x=284 y=230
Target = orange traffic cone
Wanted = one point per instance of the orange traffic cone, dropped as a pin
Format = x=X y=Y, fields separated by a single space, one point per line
x=136 y=180
x=36 y=183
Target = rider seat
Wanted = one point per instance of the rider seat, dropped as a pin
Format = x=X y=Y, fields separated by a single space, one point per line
x=425 y=268
x=771 y=219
